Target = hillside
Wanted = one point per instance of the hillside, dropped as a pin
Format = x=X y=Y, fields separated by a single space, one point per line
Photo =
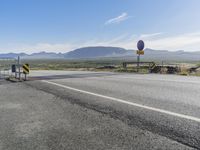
x=114 y=52
x=92 y=52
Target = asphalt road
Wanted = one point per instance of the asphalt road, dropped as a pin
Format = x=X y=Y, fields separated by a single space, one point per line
x=90 y=110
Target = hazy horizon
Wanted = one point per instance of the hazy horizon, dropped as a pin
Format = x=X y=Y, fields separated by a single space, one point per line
x=62 y=26
x=29 y=53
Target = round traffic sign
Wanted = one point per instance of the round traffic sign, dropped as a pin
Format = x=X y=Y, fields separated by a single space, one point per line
x=140 y=45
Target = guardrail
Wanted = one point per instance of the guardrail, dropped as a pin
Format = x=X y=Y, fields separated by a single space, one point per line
x=5 y=67
x=154 y=68
x=4 y=73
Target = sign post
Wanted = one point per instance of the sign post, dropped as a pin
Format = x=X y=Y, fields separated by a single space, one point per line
x=138 y=62
x=140 y=51
x=18 y=65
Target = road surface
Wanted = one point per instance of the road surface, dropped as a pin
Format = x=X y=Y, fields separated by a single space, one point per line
x=93 y=110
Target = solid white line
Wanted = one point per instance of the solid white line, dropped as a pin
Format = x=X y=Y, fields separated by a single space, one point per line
x=127 y=102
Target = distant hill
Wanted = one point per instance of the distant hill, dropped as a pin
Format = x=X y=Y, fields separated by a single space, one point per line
x=40 y=55
x=12 y=55
x=94 y=52
x=44 y=55
x=114 y=52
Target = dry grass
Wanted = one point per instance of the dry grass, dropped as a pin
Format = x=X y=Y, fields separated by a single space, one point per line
x=92 y=65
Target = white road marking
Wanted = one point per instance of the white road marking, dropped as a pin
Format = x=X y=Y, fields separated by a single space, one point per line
x=127 y=102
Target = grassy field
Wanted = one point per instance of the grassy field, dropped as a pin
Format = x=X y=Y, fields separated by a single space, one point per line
x=63 y=64
x=97 y=65
x=6 y=63
x=93 y=65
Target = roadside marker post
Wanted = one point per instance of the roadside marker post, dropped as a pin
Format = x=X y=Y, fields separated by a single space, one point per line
x=26 y=70
x=140 y=51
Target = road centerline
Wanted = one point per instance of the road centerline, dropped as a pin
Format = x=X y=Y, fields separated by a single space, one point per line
x=127 y=102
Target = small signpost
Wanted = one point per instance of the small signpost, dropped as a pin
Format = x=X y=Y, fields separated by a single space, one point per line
x=13 y=68
x=19 y=69
x=140 y=51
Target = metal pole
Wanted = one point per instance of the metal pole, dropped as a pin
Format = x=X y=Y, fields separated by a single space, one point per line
x=19 y=67
x=138 y=62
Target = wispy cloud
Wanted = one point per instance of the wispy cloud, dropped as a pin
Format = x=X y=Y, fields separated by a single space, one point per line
x=38 y=47
x=158 y=41
x=151 y=35
x=124 y=16
x=186 y=41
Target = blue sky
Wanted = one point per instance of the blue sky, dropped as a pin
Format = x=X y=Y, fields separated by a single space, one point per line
x=63 y=25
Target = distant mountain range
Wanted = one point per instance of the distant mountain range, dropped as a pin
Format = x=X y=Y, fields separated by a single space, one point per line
x=105 y=52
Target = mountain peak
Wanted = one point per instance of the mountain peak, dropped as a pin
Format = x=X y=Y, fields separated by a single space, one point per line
x=98 y=51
